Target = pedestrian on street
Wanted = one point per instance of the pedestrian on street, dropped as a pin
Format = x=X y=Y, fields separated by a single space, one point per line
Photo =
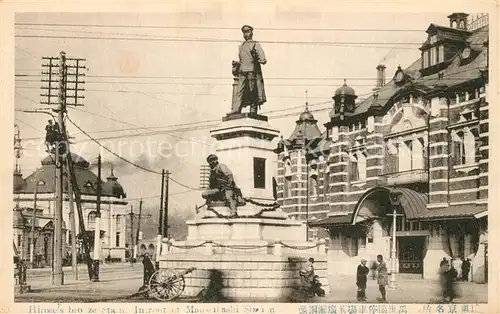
x=465 y=269
x=361 y=279
x=383 y=277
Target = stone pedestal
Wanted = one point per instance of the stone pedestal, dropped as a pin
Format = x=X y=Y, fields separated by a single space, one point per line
x=243 y=141
x=259 y=253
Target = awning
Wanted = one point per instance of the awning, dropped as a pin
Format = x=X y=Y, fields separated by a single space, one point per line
x=413 y=203
x=344 y=219
x=456 y=212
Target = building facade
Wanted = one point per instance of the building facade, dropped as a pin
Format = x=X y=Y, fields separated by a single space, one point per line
x=113 y=210
x=422 y=139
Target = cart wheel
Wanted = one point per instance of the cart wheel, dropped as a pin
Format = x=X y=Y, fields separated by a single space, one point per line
x=166 y=284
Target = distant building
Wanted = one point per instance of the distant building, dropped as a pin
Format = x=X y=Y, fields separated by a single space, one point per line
x=113 y=209
x=423 y=135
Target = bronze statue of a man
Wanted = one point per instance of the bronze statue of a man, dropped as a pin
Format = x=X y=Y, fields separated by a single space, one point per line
x=222 y=186
x=249 y=73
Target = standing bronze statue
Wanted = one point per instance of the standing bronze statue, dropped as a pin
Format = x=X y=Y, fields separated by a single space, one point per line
x=248 y=70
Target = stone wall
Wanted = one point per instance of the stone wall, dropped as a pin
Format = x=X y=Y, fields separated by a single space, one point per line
x=268 y=271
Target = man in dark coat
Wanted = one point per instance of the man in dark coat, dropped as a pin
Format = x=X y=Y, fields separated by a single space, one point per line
x=221 y=184
x=248 y=69
x=361 y=279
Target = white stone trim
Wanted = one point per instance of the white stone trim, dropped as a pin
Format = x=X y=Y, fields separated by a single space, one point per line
x=438 y=119
x=483 y=174
x=438 y=193
x=475 y=177
x=375 y=157
x=375 y=167
x=375 y=135
x=483 y=161
x=436 y=144
x=487 y=147
x=464 y=191
x=438 y=168
x=438 y=156
x=484 y=134
x=463 y=203
x=438 y=180
x=342 y=163
x=343 y=203
x=437 y=205
x=374 y=146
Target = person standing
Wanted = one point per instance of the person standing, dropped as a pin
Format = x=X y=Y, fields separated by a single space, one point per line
x=249 y=72
x=383 y=276
x=361 y=279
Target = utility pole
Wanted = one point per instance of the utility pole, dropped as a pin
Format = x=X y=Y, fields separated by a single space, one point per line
x=57 y=272
x=72 y=223
x=138 y=229
x=32 y=251
x=132 y=215
x=165 y=214
x=160 y=221
x=97 y=231
x=132 y=250
x=60 y=93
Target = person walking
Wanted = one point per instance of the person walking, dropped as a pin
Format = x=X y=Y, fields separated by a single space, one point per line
x=383 y=277
x=361 y=279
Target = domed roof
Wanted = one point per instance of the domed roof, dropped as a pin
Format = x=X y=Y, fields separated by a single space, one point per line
x=112 y=187
x=18 y=180
x=78 y=161
x=345 y=90
x=18 y=221
x=306 y=116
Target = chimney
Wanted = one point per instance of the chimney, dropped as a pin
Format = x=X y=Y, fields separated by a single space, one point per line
x=380 y=77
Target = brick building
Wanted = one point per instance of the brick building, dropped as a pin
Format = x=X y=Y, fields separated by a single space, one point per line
x=113 y=210
x=423 y=136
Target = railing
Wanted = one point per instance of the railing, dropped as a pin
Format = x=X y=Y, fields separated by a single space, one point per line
x=406 y=177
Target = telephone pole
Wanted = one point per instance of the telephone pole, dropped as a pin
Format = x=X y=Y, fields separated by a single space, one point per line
x=56 y=93
x=132 y=250
x=165 y=215
x=97 y=231
x=57 y=272
x=72 y=224
x=160 y=221
x=138 y=229
x=134 y=244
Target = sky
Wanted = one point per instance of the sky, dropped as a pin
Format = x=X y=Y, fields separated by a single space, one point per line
x=179 y=73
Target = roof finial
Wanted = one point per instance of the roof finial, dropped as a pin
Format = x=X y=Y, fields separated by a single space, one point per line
x=307 y=103
x=112 y=170
x=345 y=82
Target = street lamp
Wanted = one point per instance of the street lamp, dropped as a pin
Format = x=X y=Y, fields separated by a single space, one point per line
x=395 y=199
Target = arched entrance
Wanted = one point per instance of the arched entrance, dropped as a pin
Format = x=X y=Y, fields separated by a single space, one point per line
x=374 y=210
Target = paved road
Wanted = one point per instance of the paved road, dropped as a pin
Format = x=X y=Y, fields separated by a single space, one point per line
x=118 y=282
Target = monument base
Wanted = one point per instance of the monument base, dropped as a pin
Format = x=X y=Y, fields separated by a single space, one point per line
x=257 y=257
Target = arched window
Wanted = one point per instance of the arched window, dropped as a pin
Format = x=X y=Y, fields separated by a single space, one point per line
x=361 y=166
x=418 y=161
x=404 y=155
x=353 y=169
x=91 y=220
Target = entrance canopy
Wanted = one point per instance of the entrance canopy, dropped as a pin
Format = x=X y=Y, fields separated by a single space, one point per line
x=376 y=203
